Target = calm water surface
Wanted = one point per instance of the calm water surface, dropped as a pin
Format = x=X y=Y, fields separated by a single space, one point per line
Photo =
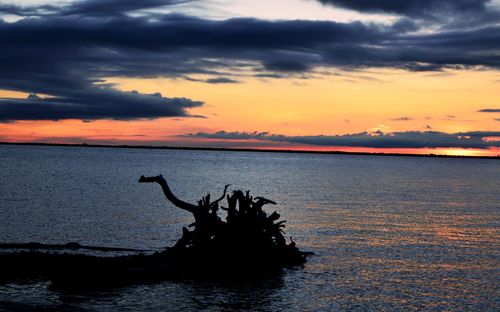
x=389 y=233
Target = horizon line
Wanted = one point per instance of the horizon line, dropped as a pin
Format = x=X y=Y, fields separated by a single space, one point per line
x=257 y=150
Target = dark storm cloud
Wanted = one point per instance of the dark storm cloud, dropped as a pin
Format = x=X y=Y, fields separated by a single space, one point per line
x=427 y=9
x=114 y=7
x=94 y=103
x=413 y=7
x=103 y=8
x=67 y=51
x=9 y=9
x=69 y=70
x=295 y=65
x=14 y=9
x=490 y=110
x=176 y=45
x=409 y=139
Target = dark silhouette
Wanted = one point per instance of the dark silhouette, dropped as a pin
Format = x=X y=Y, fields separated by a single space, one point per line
x=248 y=233
x=248 y=243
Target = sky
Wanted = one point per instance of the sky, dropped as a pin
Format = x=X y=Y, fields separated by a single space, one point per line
x=418 y=76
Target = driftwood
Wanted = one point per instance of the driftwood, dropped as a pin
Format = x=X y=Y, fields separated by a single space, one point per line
x=68 y=246
x=248 y=229
x=247 y=243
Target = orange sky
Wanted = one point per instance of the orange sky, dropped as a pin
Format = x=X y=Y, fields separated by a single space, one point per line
x=339 y=102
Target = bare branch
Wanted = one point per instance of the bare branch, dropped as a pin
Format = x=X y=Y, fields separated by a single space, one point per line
x=168 y=193
x=220 y=198
x=265 y=200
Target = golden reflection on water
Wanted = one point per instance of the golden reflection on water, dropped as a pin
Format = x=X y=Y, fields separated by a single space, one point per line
x=435 y=256
x=454 y=233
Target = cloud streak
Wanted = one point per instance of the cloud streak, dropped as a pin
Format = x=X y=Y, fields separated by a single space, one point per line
x=408 y=139
x=404 y=118
x=95 y=8
x=440 y=11
x=414 y=7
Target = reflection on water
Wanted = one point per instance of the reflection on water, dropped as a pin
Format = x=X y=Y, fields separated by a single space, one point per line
x=389 y=233
x=261 y=294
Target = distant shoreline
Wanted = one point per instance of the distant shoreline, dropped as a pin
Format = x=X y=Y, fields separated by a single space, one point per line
x=213 y=149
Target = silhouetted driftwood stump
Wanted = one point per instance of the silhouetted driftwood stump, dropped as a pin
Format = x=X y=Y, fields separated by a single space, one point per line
x=248 y=235
x=248 y=242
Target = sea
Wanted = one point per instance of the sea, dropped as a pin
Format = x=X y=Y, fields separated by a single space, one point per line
x=389 y=233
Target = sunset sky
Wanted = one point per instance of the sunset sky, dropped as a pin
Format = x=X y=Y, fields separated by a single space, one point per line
x=417 y=76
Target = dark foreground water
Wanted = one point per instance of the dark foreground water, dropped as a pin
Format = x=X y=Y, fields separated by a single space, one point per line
x=389 y=233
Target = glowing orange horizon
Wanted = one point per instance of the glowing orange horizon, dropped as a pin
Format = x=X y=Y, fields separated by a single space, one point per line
x=349 y=102
x=265 y=145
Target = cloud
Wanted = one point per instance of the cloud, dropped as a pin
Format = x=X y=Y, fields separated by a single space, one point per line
x=216 y=80
x=402 y=119
x=479 y=134
x=409 y=139
x=173 y=45
x=69 y=50
x=490 y=110
x=221 y=80
x=114 y=7
x=450 y=11
x=408 y=7
x=95 y=103
x=102 y=8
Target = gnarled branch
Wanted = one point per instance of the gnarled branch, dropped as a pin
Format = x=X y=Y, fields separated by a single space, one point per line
x=220 y=198
x=264 y=201
x=168 y=193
